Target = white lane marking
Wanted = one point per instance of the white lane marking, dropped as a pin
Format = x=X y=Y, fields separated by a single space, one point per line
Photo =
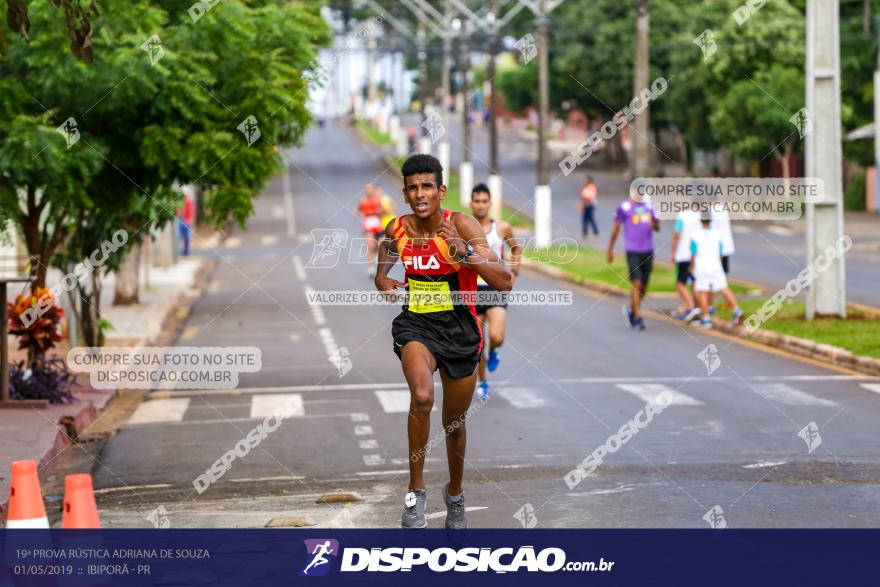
x=395 y=402
x=132 y=488
x=363 y=430
x=265 y=405
x=585 y=381
x=317 y=312
x=391 y=472
x=303 y=238
x=268 y=239
x=232 y=242
x=374 y=460
x=875 y=387
x=277 y=212
x=160 y=410
x=288 y=202
x=785 y=394
x=235 y=420
x=298 y=268
x=714 y=378
x=273 y=478
x=369 y=443
x=763 y=464
x=360 y=417
x=467 y=509
x=649 y=392
x=330 y=346
x=740 y=229
x=523 y=397
x=779 y=230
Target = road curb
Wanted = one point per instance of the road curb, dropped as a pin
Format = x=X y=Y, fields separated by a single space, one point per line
x=92 y=402
x=793 y=345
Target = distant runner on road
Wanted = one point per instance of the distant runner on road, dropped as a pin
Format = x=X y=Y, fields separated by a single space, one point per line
x=639 y=223
x=370 y=209
x=443 y=252
x=492 y=314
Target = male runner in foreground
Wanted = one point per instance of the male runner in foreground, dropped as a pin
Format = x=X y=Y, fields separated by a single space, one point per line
x=492 y=312
x=442 y=252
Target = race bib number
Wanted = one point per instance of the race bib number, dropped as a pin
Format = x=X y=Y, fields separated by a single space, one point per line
x=429 y=296
x=372 y=223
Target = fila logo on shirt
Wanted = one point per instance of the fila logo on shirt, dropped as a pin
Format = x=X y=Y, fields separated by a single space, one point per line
x=422 y=262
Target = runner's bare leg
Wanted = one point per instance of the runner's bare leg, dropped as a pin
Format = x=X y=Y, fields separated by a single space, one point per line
x=418 y=367
x=457 y=396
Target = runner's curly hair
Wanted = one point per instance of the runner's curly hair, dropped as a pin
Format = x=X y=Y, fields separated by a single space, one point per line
x=422 y=164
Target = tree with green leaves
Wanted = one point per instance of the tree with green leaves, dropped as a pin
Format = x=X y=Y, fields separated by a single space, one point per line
x=163 y=104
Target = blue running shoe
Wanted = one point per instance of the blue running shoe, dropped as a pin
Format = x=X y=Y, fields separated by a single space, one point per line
x=483 y=390
x=628 y=314
x=492 y=361
x=737 y=315
x=639 y=323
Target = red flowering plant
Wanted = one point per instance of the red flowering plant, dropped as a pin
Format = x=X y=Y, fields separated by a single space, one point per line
x=36 y=318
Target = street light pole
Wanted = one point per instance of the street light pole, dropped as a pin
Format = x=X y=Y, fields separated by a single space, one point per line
x=543 y=202
x=443 y=147
x=641 y=163
x=466 y=170
x=827 y=294
x=495 y=183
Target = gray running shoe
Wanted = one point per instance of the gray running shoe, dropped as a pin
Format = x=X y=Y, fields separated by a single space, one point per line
x=456 y=517
x=414 y=512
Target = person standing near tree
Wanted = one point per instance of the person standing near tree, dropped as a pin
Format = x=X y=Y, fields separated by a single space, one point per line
x=589 y=195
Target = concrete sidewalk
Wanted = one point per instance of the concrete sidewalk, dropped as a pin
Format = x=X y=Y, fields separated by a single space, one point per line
x=43 y=435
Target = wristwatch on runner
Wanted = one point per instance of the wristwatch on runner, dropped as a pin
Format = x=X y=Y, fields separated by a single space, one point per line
x=468 y=251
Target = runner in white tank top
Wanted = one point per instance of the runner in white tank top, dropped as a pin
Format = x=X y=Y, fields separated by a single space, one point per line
x=491 y=306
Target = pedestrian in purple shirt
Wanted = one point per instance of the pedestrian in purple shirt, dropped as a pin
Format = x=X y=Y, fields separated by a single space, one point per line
x=639 y=223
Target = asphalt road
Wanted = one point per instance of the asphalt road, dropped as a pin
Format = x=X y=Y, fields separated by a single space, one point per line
x=770 y=254
x=570 y=377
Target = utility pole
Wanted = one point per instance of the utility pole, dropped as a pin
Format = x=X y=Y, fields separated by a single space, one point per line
x=827 y=295
x=543 y=201
x=495 y=183
x=424 y=141
x=640 y=164
x=466 y=170
x=443 y=147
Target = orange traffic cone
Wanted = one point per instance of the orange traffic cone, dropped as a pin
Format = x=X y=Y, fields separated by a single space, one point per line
x=80 y=509
x=26 y=509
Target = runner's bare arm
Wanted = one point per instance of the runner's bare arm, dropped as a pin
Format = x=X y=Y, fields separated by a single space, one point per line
x=614 y=232
x=462 y=230
x=515 y=248
x=387 y=258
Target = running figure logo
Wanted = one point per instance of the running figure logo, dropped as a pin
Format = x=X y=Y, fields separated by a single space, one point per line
x=710 y=358
x=317 y=551
x=434 y=125
x=526 y=516
x=810 y=434
x=802 y=122
x=527 y=48
x=250 y=129
x=328 y=247
x=715 y=518
x=70 y=131
x=706 y=43
x=153 y=48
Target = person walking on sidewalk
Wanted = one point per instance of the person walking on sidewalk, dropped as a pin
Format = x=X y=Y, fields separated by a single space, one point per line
x=185 y=217
x=639 y=223
x=706 y=248
x=686 y=223
x=443 y=252
x=589 y=195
